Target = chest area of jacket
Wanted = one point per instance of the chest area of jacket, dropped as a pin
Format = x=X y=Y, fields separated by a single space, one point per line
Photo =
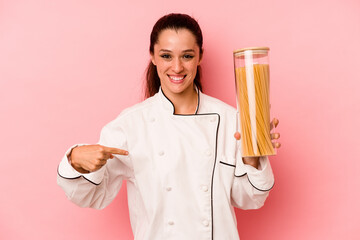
x=174 y=145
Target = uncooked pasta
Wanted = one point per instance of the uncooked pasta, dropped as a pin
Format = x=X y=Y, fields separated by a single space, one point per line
x=254 y=104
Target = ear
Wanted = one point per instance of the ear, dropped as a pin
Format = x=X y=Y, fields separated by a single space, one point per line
x=201 y=57
x=152 y=58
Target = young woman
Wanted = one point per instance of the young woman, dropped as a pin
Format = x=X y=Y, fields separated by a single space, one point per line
x=176 y=149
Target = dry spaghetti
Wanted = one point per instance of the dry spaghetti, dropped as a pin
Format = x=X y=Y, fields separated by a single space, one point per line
x=254 y=103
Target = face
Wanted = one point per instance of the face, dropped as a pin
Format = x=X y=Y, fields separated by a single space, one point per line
x=176 y=56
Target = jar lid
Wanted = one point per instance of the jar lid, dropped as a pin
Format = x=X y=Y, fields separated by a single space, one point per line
x=240 y=51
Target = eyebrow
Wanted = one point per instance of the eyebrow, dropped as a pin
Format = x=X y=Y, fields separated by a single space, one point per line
x=187 y=50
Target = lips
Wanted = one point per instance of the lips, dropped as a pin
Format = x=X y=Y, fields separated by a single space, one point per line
x=177 y=78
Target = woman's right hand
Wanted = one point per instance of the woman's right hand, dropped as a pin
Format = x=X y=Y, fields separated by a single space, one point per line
x=89 y=158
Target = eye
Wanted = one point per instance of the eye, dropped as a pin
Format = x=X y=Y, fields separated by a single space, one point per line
x=165 y=56
x=188 y=56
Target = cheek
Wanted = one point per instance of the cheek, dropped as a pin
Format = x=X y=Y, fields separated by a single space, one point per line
x=161 y=66
x=162 y=70
x=193 y=67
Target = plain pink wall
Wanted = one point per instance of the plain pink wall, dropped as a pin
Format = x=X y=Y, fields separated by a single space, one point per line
x=69 y=67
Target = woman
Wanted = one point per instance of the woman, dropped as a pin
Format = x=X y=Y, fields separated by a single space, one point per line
x=176 y=149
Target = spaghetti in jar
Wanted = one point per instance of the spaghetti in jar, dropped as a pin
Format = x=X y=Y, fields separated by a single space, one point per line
x=253 y=100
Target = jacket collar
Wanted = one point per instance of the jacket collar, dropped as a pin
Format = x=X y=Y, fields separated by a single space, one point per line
x=169 y=106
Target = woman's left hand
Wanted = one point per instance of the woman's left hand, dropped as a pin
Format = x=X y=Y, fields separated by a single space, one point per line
x=254 y=161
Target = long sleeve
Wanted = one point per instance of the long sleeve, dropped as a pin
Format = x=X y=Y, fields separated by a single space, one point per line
x=99 y=188
x=251 y=186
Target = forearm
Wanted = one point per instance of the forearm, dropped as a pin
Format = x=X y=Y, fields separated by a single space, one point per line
x=85 y=190
x=251 y=185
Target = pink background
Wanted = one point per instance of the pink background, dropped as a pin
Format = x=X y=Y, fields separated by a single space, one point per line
x=69 y=67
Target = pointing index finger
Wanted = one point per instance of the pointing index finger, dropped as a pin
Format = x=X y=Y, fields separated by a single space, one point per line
x=116 y=151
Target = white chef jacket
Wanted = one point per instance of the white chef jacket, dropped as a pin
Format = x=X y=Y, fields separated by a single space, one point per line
x=184 y=173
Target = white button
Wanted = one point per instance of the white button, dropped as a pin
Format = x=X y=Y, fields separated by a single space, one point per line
x=205 y=188
x=208 y=152
x=168 y=189
x=161 y=153
x=171 y=223
x=206 y=223
x=152 y=119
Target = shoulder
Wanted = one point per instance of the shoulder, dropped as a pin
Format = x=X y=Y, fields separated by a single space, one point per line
x=140 y=108
x=135 y=112
x=212 y=104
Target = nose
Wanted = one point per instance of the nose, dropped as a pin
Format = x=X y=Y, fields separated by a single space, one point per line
x=177 y=65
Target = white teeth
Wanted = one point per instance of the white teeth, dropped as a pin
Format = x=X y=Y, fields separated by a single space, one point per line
x=177 y=78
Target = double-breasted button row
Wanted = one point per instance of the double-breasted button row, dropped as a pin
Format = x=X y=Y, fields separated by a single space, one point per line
x=205 y=223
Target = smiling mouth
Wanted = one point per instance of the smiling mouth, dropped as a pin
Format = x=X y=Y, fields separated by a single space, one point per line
x=177 y=79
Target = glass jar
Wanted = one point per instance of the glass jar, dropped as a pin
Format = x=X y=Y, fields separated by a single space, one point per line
x=253 y=101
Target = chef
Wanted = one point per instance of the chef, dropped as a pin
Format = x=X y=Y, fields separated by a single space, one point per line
x=177 y=151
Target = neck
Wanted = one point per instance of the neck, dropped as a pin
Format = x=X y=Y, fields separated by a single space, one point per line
x=185 y=102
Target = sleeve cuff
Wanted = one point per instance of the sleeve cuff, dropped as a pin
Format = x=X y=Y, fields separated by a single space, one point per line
x=95 y=177
x=65 y=170
x=240 y=169
x=262 y=179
